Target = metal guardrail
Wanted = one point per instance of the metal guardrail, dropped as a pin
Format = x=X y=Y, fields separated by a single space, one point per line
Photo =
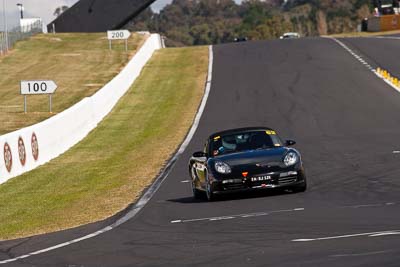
x=16 y=34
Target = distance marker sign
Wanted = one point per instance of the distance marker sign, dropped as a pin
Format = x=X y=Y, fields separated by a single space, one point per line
x=38 y=87
x=118 y=35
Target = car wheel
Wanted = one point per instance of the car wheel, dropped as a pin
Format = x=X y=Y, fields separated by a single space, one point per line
x=196 y=192
x=209 y=192
x=300 y=188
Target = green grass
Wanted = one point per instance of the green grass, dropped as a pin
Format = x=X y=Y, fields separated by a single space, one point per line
x=108 y=170
x=79 y=63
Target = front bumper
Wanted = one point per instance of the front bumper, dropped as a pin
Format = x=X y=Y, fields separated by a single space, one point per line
x=262 y=181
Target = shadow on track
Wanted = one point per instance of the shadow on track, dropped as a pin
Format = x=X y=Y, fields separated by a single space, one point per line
x=234 y=196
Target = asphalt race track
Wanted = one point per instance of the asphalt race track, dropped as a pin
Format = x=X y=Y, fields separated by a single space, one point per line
x=347 y=125
x=378 y=51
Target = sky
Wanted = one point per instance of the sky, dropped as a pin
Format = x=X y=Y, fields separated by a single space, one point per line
x=45 y=9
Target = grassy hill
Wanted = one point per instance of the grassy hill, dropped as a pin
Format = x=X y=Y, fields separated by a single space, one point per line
x=106 y=171
x=79 y=63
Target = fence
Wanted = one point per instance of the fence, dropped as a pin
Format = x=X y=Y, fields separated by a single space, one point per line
x=16 y=34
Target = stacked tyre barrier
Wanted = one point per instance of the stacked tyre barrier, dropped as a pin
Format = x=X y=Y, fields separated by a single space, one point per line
x=30 y=147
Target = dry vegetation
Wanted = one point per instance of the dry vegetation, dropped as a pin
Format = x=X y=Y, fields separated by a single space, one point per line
x=79 y=63
x=109 y=169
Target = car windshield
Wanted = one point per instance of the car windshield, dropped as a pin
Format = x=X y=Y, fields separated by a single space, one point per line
x=238 y=142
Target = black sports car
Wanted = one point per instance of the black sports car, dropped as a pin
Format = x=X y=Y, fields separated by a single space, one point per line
x=245 y=159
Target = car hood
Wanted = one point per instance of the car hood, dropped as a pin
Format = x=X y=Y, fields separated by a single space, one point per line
x=272 y=156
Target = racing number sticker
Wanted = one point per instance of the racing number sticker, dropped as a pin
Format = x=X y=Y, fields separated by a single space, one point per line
x=35 y=147
x=21 y=151
x=7 y=157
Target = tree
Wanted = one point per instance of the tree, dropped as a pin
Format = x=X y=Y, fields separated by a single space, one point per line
x=199 y=22
x=60 y=10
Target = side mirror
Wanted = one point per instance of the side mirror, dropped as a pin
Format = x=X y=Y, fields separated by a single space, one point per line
x=199 y=154
x=290 y=142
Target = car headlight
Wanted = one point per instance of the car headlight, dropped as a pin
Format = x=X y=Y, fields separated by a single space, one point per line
x=291 y=158
x=222 y=167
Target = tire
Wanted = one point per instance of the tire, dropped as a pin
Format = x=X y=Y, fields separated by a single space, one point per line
x=300 y=188
x=197 y=194
x=209 y=192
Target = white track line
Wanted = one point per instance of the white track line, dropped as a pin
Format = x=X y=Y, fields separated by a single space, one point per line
x=363 y=254
x=362 y=61
x=371 y=234
x=237 y=216
x=359 y=58
x=370 y=205
x=258 y=214
x=383 y=37
x=155 y=186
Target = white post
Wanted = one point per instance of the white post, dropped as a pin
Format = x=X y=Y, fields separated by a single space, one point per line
x=50 y=103
x=1 y=44
x=25 y=108
x=126 y=45
x=5 y=27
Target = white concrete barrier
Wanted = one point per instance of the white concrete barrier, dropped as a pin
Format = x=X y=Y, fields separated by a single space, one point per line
x=30 y=147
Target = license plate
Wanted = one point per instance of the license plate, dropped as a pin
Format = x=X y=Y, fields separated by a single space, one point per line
x=261 y=178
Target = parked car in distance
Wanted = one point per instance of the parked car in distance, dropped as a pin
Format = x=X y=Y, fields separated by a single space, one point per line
x=290 y=35
x=241 y=39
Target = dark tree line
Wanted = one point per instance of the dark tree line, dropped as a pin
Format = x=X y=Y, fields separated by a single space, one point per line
x=198 y=22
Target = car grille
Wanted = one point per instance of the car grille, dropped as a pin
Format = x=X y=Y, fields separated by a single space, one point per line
x=287 y=180
x=235 y=186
